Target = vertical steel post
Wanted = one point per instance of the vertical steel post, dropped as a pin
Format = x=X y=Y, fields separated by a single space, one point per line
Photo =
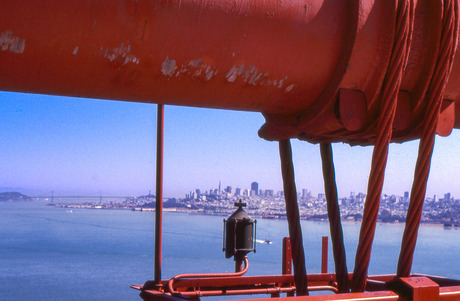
x=287 y=260
x=159 y=194
x=238 y=265
x=324 y=255
x=287 y=257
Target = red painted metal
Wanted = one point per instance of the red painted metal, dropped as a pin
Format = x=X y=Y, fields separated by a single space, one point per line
x=195 y=285
x=236 y=285
x=217 y=282
x=442 y=281
x=286 y=268
x=445 y=62
x=253 y=291
x=416 y=288
x=287 y=257
x=318 y=70
x=352 y=109
x=450 y=293
x=292 y=60
x=159 y=194
x=324 y=252
x=381 y=296
x=389 y=97
x=212 y=54
x=208 y=275
x=446 y=119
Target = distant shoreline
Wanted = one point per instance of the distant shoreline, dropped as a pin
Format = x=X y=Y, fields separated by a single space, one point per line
x=224 y=214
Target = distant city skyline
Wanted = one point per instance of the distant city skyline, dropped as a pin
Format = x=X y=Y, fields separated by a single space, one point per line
x=93 y=147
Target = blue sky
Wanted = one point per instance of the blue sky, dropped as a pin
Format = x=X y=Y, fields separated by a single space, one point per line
x=86 y=146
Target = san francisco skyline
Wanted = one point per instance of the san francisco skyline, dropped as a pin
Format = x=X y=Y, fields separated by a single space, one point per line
x=86 y=146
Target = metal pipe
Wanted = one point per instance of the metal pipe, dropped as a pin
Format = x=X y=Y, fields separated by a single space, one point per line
x=206 y=275
x=250 y=291
x=159 y=194
x=238 y=265
x=262 y=280
x=380 y=296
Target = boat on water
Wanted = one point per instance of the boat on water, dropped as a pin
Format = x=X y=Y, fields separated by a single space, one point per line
x=264 y=241
x=362 y=72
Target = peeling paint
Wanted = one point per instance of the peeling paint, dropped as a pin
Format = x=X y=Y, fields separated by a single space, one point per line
x=253 y=76
x=280 y=83
x=234 y=73
x=12 y=43
x=209 y=73
x=196 y=69
x=290 y=88
x=120 y=54
x=196 y=63
x=75 y=51
x=168 y=67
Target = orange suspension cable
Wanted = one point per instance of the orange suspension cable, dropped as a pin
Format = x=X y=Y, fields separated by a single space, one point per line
x=333 y=212
x=389 y=96
x=422 y=168
x=292 y=212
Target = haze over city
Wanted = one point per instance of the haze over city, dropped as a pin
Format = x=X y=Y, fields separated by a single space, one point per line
x=84 y=146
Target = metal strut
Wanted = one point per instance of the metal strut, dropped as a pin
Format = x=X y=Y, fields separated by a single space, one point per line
x=159 y=194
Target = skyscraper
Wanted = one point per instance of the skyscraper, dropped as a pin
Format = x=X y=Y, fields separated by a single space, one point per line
x=255 y=187
x=238 y=191
x=304 y=193
x=447 y=196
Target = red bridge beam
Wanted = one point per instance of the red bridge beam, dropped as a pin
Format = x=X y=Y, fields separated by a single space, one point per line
x=320 y=61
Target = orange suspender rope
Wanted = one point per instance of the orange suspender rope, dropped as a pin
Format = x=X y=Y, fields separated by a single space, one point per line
x=292 y=212
x=333 y=213
x=389 y=96
x=422 y=167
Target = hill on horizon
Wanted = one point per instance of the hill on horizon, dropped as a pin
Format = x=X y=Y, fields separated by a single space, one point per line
x=13 y=197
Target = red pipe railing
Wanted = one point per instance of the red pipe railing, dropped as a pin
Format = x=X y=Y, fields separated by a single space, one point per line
x=207 y=275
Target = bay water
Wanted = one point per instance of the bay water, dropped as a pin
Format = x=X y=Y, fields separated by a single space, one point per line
x=51 y=253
